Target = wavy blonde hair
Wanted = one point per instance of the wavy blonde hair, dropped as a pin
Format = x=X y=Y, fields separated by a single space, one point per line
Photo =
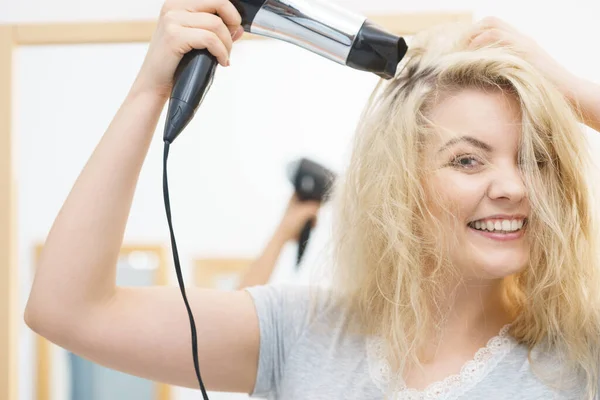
x=380 y=209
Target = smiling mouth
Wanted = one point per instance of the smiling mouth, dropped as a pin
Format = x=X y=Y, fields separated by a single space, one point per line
x=499 y=226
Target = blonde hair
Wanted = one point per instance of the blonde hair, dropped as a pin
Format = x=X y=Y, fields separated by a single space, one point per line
x=380 y=251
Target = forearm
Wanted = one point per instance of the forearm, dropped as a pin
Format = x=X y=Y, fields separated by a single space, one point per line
x=78 y=263
x=261 y=270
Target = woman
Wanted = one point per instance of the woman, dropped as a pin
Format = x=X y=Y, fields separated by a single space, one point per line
x=465 y=263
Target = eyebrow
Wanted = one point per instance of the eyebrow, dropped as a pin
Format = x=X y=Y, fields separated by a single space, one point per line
x=469 y=139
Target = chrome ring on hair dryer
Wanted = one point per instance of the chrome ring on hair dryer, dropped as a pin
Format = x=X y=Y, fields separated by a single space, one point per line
x=320 y=27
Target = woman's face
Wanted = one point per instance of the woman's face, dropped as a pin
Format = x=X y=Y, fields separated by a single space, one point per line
x=475 y=173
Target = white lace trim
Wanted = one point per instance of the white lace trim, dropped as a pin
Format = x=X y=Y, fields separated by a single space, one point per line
x=450 y=388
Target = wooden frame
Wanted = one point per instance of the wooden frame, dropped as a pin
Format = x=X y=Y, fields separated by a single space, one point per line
x=8 y=245
x=12 y=36
x=44 y=348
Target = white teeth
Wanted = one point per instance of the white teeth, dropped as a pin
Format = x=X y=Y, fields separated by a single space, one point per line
x=503 y=225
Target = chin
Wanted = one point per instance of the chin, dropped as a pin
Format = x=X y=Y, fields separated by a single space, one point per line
x=495 y=259
x=499 y=267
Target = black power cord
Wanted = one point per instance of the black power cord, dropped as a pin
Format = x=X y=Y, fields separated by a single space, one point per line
x=178 y=270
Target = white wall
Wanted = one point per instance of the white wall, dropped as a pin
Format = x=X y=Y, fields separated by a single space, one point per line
x=227 y=182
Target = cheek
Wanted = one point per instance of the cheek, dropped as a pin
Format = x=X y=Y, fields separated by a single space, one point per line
x=455 y=196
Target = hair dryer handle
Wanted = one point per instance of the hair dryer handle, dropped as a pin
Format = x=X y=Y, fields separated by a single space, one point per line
x=303 y=241
x=193 y=78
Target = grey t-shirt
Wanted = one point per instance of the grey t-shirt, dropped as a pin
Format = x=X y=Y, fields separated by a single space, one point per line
x=319 y=360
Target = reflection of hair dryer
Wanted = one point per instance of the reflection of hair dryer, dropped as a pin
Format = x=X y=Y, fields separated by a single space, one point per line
x=318 y=26
x=311 y=181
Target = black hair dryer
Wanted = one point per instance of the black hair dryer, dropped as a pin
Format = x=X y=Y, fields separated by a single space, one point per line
x=312 y=182
x=319 y=26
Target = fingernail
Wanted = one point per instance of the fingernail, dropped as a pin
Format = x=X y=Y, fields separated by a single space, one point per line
x=238 y=33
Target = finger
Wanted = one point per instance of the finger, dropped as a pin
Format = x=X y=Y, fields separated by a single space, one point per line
x=201 y=20
x=223 y=8
x=238 y=33
x=485 y=24
x=491 y=22
x=487 y=38
x=202 y=39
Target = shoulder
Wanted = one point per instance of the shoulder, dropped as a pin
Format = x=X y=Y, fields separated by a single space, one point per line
x=299 y=325
x=295 y=307
x=300 y=299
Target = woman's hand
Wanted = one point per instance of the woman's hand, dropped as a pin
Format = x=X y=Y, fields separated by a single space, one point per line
x=184 y=25
x=491 y=30
x=583 y=95
x=295 y=216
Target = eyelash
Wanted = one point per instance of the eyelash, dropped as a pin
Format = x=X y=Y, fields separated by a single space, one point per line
x=456 y=161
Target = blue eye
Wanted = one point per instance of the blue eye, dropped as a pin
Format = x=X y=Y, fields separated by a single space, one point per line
x=465 y=162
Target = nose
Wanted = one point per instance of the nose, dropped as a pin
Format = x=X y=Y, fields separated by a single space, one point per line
x=507 y=183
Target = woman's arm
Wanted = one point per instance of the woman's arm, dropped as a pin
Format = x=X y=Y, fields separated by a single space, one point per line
x=289 y=228
x=586 y=96
x=74 y=300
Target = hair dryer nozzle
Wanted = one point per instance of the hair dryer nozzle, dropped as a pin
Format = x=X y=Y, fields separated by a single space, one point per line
x=375 y=50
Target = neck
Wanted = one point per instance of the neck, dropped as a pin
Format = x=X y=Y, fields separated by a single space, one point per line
x=474 y=305
x=470 y=314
